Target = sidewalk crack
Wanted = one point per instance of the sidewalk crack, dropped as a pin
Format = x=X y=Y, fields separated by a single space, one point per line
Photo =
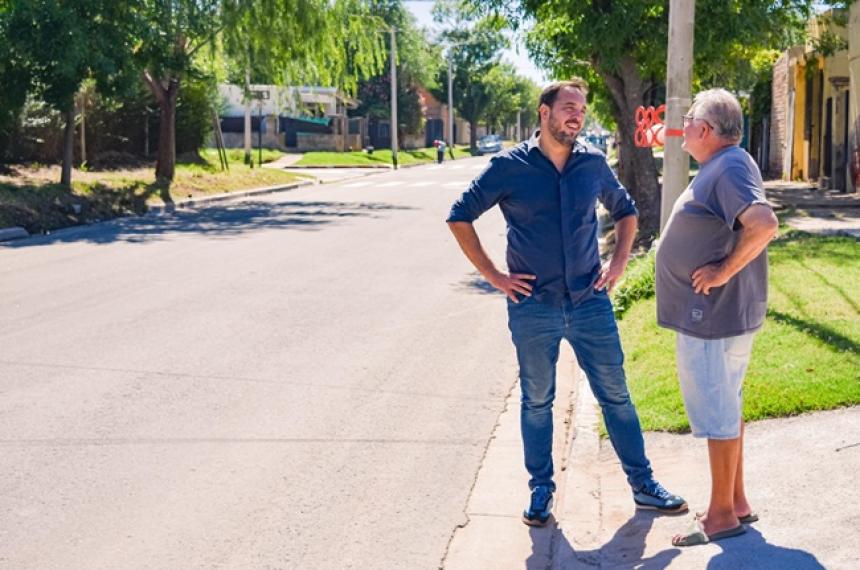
x=489 y=441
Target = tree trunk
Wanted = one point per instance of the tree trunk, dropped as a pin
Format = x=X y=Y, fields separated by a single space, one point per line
x=165 y=164
x=637 y=169
x=473 y=137
x=68 y=147
x=165 y=92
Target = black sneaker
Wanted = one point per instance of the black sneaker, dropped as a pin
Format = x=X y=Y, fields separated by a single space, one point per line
x=653 y=496
x=539 y=511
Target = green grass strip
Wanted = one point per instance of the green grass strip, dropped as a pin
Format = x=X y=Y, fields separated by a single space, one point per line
x=806 y=357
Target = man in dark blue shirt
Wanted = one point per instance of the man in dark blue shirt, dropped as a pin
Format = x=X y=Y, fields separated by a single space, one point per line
x=547 y=189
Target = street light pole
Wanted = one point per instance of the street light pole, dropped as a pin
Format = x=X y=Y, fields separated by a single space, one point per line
x=676 y=163
x=450 y=104
x=393 y=98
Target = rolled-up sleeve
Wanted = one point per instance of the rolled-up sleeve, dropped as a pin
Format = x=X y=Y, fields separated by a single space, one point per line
x=484 y=192
x=615 y=197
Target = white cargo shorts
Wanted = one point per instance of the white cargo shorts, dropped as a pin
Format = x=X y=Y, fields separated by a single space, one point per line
x=712 y=372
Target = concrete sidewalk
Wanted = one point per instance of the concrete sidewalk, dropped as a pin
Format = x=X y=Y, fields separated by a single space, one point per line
x=801 y=479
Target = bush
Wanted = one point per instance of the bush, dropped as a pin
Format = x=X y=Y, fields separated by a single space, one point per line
x=194 y=107
x=637 y=283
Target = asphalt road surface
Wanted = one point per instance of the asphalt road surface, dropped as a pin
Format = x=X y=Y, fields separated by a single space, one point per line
x=305 y=380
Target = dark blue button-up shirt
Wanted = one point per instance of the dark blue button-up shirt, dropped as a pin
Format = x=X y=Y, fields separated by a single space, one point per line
x=551 y=215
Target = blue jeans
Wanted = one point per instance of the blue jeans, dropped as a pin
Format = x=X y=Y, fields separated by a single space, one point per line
x=537 y=330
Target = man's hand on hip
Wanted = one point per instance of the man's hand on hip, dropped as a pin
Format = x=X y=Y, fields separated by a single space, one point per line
x=511 y=284
x=709 y=276
x=610 y=273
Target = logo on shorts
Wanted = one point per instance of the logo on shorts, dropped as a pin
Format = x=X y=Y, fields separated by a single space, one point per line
x=696 y=315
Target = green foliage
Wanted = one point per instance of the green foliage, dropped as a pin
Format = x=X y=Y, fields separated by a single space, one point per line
x=475 y=47
x=417 y=64
x=637 y=283
x=505 y=88
x=761 y=95
x=194 y=108
x=829 y=40
x=51 y=46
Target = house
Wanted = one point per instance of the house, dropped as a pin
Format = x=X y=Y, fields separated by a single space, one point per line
x=435 y=126
x=290 y=118
x=814 y=131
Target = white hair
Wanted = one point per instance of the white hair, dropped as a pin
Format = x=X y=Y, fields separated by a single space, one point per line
x=722 y=110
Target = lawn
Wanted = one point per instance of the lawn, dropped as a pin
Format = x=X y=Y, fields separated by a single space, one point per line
x=380 y=157
x=807 y=356
x=31 y=198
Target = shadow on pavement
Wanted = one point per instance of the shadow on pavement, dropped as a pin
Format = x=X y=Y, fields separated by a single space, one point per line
x=475 y=283
x=626 y=548
x=215 y=221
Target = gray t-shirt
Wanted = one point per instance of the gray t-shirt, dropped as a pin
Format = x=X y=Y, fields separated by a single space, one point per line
x=703 y=229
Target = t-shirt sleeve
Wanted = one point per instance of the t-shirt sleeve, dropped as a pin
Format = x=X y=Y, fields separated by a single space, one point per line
x=736 y=190
x=614 y=196
x=484 y=192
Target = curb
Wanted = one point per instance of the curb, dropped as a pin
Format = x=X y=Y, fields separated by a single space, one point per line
x=227 y=196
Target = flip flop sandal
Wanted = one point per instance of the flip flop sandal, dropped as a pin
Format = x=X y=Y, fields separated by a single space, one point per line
x=698 y=536
x=746 y=519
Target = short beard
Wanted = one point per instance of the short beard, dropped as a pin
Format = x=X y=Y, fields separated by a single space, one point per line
x=558 y=134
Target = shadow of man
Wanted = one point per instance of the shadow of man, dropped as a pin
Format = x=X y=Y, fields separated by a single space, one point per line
x=625 y=550
x=752 y=550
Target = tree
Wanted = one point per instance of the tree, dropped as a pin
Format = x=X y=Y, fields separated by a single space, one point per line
x=475 y=47
x=620 y=47
x=417 y=66
x=504 y=86
x=52 y=46
x=281 y=39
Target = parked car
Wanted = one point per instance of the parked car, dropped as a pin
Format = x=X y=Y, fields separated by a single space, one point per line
x=597 y=140
x=489 y=144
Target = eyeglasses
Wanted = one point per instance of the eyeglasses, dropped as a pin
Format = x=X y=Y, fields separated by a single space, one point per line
x=690 y=118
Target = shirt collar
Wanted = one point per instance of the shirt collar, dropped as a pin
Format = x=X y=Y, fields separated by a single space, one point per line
x=533 y=143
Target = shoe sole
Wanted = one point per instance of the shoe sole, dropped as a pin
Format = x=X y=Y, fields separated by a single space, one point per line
x=676 y=511
x=537 y=522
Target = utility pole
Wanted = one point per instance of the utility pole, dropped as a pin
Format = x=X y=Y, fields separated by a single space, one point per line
x=519 y=136
x=83 y=126
x=676 y=163
x=450 y=104
x=247 y=130
x=393 y=98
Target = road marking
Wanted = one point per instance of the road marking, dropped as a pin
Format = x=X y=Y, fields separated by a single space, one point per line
x=455 y=184
x=420 y=184
x=389 y=184
x=357 y=184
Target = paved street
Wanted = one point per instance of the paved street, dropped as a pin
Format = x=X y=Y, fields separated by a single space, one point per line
x=304 y=380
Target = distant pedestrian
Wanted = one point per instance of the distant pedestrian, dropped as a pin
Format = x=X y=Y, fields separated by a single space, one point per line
x=711 y=282
x=440 y=151
x=547 y=189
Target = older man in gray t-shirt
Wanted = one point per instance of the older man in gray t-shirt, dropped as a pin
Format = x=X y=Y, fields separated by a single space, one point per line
x=712 y=290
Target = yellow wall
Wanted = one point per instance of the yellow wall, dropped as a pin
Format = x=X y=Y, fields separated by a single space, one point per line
x=800 y=147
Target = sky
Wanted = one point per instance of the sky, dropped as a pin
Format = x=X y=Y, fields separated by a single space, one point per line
x=422 y=12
